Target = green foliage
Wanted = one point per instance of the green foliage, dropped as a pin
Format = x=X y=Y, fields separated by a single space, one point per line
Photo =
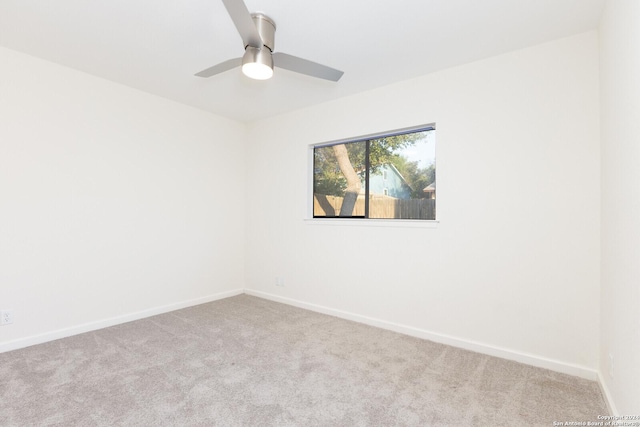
x=381 y=151
x=329 y=180
x=384 y=150
x=417 y=178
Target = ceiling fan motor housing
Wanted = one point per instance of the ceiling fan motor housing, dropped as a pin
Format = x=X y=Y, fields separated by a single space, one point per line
x=257 y=31
x=266 y=28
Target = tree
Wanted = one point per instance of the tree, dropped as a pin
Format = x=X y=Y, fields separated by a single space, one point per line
x=338 y=169
x=328 y=179
x=417 y=178
x=352 y=178
x=384 y=150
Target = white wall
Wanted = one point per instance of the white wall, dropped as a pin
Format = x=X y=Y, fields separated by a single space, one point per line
x=114 y=204
x=111 y=206
x=513 y=267
x=620 y=112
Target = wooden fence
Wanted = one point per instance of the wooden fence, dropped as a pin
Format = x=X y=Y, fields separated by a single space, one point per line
x=379 y=207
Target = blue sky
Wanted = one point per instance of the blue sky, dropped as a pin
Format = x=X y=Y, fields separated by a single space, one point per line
x=423 y=151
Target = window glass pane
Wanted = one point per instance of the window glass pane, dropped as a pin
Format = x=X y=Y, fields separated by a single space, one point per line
x=338 y=180
x=402 y=176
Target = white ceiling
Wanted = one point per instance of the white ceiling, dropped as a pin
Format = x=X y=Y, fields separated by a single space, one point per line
x=158 y=45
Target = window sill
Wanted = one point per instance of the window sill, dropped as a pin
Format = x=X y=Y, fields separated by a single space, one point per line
x=361 y=222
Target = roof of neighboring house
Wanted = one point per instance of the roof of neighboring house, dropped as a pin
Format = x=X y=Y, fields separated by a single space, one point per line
x=430 y=188
x=392 y=168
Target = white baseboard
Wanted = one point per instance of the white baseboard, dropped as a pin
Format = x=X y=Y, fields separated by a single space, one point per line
x=528 y=359
x=105 y=323
x=607 y=395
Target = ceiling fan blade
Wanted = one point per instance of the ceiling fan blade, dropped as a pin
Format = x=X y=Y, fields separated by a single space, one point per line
x=303 y=66
x=220 y=68
x=244 y=24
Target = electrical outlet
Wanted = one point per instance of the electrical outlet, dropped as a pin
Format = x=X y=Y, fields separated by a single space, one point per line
x=280 y=281
x=6 y=317
x=611 y=365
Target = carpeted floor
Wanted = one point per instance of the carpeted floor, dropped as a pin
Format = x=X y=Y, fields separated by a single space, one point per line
x=245 y=361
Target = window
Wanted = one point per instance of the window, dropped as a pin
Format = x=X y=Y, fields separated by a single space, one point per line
x=384 y=176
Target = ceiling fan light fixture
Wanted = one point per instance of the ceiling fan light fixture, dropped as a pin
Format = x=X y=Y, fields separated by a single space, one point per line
x=257 y=63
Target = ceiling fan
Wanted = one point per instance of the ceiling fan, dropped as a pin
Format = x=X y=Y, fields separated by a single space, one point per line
x=257 y=31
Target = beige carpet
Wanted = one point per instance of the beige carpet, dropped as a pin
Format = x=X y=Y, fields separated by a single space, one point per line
x=245 y=361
